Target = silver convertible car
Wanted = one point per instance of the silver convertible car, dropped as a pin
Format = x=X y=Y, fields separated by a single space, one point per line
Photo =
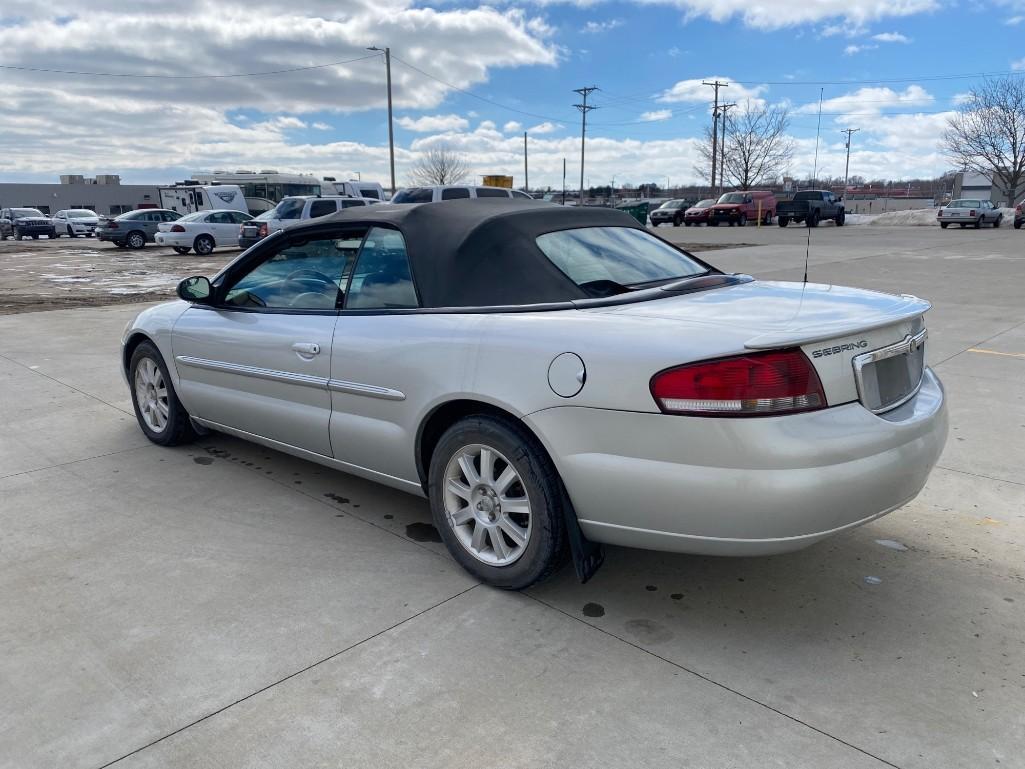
x=551 y=379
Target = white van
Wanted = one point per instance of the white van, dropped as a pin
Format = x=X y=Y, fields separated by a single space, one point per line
x=454 y=192
x=358 y=189
x=295 y=208
x=189 y=198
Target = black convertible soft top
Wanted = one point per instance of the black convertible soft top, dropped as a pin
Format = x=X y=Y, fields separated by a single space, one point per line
x=482 y=252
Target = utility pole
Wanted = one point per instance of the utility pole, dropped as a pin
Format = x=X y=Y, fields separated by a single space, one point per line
x=715 y=123
x=722 y=146
x=526 y=179
x=584 y=109
x=847 y=166
x=391 y=127
x=564 y=181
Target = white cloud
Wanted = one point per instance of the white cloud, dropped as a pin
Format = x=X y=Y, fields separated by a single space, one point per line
x=771 y=14
x=695 y=90
x=512 y=127
x=321 y=126
x=891 y=37
x=594 y=27
x=1018 y=64
x=871 y=101
x=1014 y=21
x=656 y=115
x=429 y=123
x=545 y=128
x=960 y=98
x=674 y=52
x=851 y=50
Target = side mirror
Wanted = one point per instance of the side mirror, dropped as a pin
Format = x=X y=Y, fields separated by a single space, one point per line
x=196 y=289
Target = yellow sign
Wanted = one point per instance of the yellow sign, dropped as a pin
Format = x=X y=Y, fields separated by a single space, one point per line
x=495 y=180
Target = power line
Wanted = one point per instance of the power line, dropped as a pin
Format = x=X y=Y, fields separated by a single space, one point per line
x=188 y=77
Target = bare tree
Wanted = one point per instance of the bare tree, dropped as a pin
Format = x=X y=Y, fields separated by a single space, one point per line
x=439 y=165
x=988 y=133
x=755 y=146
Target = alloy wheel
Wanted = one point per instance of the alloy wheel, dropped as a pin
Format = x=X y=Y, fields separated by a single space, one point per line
x=151 y=394
x=486 y=505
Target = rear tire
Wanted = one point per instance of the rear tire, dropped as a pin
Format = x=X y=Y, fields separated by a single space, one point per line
x=135 y=240
x=203 y=245
x=783 y=221
x=161 y=415
x=812 y=220
x=1017 y=224
x=467 y=497
x=944 y=225
x=35 y=237
x=181 y=250
x=978 y=223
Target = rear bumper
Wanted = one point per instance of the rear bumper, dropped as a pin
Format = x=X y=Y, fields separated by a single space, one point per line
x=244 y=242
x=741 y=486
x=179 y=239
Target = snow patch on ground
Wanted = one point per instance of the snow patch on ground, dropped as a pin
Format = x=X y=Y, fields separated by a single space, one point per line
x=915 y=217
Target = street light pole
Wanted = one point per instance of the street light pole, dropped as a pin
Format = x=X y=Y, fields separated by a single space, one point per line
x=847 y=165
x=391 y=127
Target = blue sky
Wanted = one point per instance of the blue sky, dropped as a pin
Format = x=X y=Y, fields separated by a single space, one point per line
x=644 y=56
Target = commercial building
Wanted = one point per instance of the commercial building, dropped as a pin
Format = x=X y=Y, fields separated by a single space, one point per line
x=103 y=194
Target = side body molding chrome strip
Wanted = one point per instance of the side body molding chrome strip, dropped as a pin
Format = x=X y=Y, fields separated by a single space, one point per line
x=288 y=377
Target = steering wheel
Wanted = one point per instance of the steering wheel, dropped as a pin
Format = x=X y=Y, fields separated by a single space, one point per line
x=308 y=273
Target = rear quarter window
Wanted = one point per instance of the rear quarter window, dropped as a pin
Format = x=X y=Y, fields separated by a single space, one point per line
x=491 y=192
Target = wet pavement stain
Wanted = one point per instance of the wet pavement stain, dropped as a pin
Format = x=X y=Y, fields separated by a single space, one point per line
x=648 y=631
x=337 y=498
x=422 y=532
x=593 y=610
x=676 y=596
x=388 y=516
x=651 y=588
x=203 y=460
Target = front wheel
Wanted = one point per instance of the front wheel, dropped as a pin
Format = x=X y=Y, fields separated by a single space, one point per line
x=161 y=415
x=944 y=225
x=841 y=217
x=783 y=221
x=71 y=232
x=498 y=502
x=999 y=219
x=742 y=222
x=1018 y=223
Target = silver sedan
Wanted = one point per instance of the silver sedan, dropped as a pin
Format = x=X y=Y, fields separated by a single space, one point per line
x=551 y=379
x=969 y=211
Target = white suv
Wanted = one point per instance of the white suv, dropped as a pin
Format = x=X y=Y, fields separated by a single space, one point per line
x=290 y=210
x=453 y=192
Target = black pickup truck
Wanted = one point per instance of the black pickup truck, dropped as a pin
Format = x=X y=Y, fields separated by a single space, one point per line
x=811 y=207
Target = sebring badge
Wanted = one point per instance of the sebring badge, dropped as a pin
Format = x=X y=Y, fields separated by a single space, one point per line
x=859 y=345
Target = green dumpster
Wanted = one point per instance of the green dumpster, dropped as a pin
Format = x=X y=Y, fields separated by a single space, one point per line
x=638 y=211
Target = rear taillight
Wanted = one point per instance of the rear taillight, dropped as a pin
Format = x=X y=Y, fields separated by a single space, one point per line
x=112 y=226
x=758 y=384
x=972 y=212
x=177 y=228
x=262 y=231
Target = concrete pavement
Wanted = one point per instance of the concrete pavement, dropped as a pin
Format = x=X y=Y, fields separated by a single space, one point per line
x=226 y=605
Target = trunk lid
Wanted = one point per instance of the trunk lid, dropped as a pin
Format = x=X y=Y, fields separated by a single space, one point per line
x=834 y=325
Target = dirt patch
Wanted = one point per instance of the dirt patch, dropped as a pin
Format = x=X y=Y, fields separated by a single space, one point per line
x=39 y=275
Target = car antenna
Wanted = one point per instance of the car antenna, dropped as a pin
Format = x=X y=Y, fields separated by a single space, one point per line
x=814 y=174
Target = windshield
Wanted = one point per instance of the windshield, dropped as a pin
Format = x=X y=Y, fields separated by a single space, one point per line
x=81 y=213
x=194 y=217
x=811 y=195
x=965 y=204
x=414 y=195
x=707 y=203
x=732 y=197
x=604 y=260
x=672 y=204
x=17 y=212
x=289 y=208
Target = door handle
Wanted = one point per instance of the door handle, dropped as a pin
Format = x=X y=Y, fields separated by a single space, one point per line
x=306 y=348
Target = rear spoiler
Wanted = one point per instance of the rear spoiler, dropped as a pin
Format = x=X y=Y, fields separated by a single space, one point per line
x=912 y=307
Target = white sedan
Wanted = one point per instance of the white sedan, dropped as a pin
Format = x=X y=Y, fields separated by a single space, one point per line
x=202 y=231
x=551 y=379
x=74 y=222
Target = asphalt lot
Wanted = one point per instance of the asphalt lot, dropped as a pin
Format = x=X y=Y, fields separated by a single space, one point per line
x=225 y=605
